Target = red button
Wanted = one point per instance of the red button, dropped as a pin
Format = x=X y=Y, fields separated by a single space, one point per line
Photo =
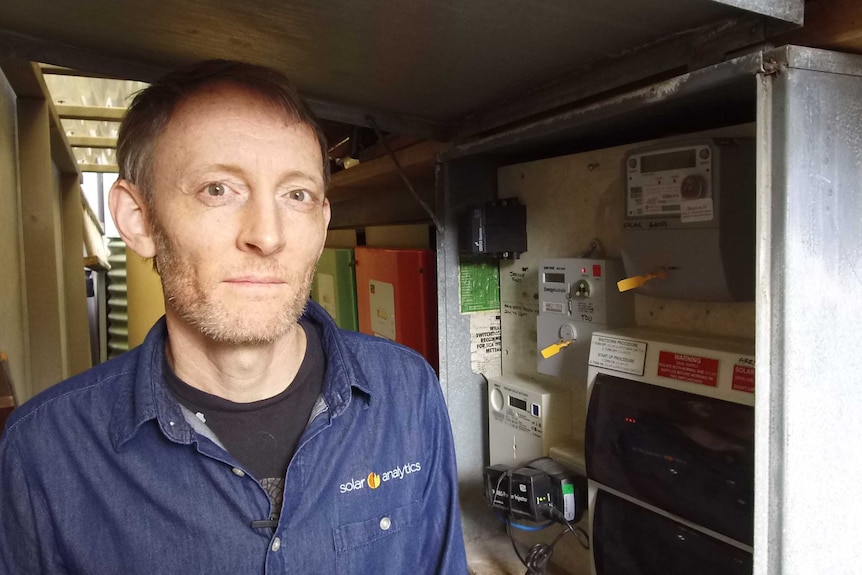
x=597 y=270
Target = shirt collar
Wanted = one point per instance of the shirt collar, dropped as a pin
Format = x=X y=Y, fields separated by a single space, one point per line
x=342 y=375
x=148 y=397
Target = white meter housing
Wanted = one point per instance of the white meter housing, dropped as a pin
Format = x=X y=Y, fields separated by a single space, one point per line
x=525 y=419
x=577 y=296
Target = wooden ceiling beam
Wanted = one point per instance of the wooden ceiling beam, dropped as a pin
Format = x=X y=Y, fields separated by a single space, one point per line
x=92 y=142
x=91 y=113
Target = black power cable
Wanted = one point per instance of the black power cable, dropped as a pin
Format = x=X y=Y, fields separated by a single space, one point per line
x=539 y=556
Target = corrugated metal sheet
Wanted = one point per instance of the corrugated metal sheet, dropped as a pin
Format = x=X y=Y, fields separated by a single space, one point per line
x=118 y=305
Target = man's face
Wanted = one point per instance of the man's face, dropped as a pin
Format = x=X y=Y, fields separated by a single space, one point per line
x=240 y=216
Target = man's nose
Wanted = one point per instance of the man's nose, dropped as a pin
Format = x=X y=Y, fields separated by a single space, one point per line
x=262 y=228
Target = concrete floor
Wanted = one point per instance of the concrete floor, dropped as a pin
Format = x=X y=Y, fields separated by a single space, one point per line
x=495 y=556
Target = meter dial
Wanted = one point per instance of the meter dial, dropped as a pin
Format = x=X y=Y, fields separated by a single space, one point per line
x=582 y=289
x=693 y=187
x=497 y=399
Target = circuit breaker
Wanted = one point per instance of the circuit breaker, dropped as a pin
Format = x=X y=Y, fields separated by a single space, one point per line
x=577 y=296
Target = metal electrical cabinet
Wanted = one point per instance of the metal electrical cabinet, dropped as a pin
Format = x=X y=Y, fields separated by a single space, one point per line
x=334 y=286
x=805 y=104
x=670 y=453
x=396 y=293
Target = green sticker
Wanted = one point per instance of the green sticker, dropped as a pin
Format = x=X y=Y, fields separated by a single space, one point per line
x=479 y=280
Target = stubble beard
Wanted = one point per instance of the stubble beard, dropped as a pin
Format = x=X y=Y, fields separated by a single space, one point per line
x=195 y=304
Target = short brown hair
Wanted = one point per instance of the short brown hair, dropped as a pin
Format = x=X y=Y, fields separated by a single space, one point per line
x=152 y=108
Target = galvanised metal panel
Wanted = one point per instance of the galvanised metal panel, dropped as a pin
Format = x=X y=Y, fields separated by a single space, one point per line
x=809 y=305
x=789 y=10
x=461 y=184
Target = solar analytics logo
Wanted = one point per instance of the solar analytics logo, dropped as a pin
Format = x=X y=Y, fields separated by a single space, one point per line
x=374 y=480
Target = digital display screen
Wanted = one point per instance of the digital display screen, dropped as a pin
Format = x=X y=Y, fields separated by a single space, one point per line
x=556 y=278
x=519 y=403
x=669 y=161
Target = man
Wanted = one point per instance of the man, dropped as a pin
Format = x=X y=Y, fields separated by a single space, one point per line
x=247 y=434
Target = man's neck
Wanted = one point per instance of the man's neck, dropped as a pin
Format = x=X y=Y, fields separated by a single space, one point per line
x=239 y=373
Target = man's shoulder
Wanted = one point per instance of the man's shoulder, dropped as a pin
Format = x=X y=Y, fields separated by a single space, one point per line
x=99 y=384
x=381 y=352
x=380 y=367
x=360 y=348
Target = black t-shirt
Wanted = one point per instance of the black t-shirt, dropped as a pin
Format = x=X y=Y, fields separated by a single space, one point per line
x=262 y=435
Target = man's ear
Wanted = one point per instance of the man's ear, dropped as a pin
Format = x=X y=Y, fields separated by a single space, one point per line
x=327 y=215
x=131 y=217
x=327 y=212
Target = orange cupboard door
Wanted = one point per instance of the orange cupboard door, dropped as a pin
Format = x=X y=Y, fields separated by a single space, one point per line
x=396 y=296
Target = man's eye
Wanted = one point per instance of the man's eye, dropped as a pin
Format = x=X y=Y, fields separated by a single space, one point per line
x=299 y=195
x=215 y=190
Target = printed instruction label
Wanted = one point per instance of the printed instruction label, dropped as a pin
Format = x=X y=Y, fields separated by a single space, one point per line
x=618 y=354
x=486 y=344
x=699 y=210
x=686 y=367
x=743 y=378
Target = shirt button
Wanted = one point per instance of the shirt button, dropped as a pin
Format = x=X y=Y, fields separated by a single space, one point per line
x=238 y=472
x=276 y=544
x=385 y=523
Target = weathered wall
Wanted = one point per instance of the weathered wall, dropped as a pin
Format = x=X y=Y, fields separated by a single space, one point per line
x=13 y=302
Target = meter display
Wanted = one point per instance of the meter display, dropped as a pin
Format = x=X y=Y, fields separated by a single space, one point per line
x=661 y=183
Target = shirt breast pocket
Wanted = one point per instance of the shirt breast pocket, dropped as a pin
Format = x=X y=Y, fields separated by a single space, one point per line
x=380 y=544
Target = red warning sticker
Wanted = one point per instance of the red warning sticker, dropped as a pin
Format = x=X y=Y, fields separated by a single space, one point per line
x=691 y=368
x=743 y=378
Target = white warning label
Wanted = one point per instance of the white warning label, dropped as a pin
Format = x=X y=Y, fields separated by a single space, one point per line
x=618 y=354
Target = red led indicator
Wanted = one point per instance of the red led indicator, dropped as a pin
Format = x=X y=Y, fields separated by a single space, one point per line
x=583 y=270
x=631 y=420
x=597 y=270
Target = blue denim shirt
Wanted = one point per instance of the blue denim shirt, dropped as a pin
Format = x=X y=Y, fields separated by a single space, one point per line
x=104 y=474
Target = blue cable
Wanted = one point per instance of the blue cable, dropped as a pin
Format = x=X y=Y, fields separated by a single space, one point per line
x=525 y=527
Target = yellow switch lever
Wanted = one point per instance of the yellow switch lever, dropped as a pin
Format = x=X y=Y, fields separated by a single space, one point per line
x=554 y=349
x=638 y=281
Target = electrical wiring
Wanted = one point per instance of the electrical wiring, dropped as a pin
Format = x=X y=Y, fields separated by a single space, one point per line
x=539 y=555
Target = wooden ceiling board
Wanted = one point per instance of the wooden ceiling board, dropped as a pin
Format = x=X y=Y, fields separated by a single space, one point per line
x=431 y=60
x=830 y=24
